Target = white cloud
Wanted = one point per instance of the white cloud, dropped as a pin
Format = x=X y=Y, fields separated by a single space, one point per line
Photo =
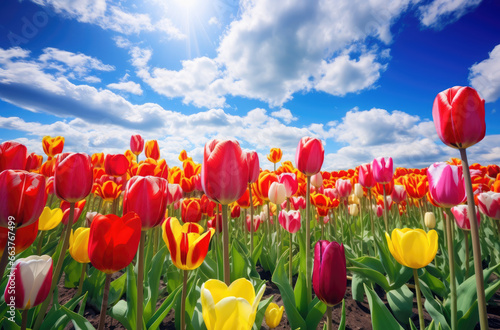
x=485 y=76
x=214 y=21
x=122 y=42
x=284 y=114
x=110 y=17
x=127 y=86
x=442 y=12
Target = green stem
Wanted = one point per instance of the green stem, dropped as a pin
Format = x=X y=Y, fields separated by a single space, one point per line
x=419 y=300
x=371 y=220
x=290 y=257
x=308 y=242
x=60 y=260
x=225 y=238
x=329 y=310
x=183 y=300
x=451 y=261
x=24 y=321
x=82 y=277
x=476 y=247
x=140 y=281
x=467 y=253
x=385 y=210
x=40 y=241
x=104 y=305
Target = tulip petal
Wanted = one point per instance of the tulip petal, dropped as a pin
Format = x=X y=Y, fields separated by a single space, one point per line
x=208 y=307
x=234 y=313
x=415 y=246
x=198 y=250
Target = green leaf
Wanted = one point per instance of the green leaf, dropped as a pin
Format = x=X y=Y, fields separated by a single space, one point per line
x=403 y=277
x=316 y=312
x=79 y=322
x=386 y=259
x=155 y=320
x=240 y=263
x=57 y=319
x=381 y=317
x=300 y=290
x=434 y=284
x=261 y=311
x=342 y=318
x=116 y=289
x=257 y=251
x=369 y=262
x=434 y=307
x=72 y=274
x=281 y=280
x=372 y=275
x=401 y=302
x=208 y=269
x=152 y=283
x=358 y=292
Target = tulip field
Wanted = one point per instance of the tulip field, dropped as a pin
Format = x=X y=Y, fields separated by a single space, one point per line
x=145 y=245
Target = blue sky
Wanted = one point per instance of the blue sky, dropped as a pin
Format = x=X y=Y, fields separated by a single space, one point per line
x=360 y=75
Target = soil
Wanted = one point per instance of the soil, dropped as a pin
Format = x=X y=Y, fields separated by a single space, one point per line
x=357 y=313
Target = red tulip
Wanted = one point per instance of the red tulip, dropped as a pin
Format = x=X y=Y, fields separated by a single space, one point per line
x=113 y=241
x=65 y=219
x=489 y=204
x=298 y=203
x=290 y=220
x=309 y=156
x=224 y=173
x=344 y=187
x=116 y=165
x=382 y=168
x=366 y=176
x=174 y=193
x=253 y=166
x=256 y=222
x=53 y=146
x=398 y=194
x=290 y=182
x=329 y=274
x=22 y=197
x=33 y=162
x=216 y=223
x=136 y=144
x=235 y=211
x=12 y=156
x=446 y=184
x=146 y=196
x=458 y=114
x=152 y=150
x=191 y=210
x=73 y=176
x=24 y=237
x=460 y=212
x=244 y=200
x=29 y=282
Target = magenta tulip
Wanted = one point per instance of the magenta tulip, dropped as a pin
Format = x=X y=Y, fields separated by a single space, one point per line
x=458 y=114
x=22 y=197
x=382 y=169
x=290 y=220
x=309 y=155
x=366 y=176
x=146 y=196
x=329 y=274
x=344 y=188
x=489 y=204
x=252 y=159
x=460 y=212
x=224 y=172
x=290 y=182
x=73 y=176
x=298 y=203
x=446 y=184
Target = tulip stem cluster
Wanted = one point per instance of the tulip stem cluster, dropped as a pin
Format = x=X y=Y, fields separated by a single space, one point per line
x=476 y=247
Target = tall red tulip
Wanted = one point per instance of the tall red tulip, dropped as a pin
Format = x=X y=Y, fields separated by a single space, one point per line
x=136 y=144
x=253 y=166
x=13 y=156
x=446 y=184
x=22 y=197
x=146 y=196
x=382 y=168
x=113 y=241
x=329 y=274
x=73 y=176
x=309 y=155
x=366 y=176
x=458 y=115
x=116 y=165
x=224 y=173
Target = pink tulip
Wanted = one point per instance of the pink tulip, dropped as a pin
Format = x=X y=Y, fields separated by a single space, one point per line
x=378 y=210
x=309 y=156
x=398 y=194
x=344 y=187
x=317 y=180
x=252 y=159
x=256 y=222
x=224 y=172
x=290 y=182
x=277 y=193
x=366 y=176
x=331 y=193
x=446 y=184
x=458 y=115
x=290 y=220
x=298 y=203
x=174 y=193
x=489 y=204
x=382 y=168
x=460 y=212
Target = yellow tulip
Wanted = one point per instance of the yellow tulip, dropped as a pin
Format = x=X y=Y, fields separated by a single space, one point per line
x=273 y=315
x=413 y=248
x=79 y=245
x=232 y=307
x=49 y=219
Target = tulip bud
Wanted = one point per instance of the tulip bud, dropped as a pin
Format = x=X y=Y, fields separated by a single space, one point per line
x=358 y=190
x=309 y=155
x=73 y=176
x=353 y=209
x=273 y=315
x=489 y=204
x=461 y=214
x=329 y=273
x=430 y=220
x=317 y=180
x=277 y=193
x=136 y=144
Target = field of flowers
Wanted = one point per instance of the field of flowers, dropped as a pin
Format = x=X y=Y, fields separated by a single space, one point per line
x=139 y=240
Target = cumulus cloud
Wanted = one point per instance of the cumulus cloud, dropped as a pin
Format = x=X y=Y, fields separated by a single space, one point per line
x=284 y=114
x=127 y=86
x=441 y=12
x=485 y=76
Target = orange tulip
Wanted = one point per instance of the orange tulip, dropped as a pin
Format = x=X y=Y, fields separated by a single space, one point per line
x=109 y=190
x=52 y=145
x=152 y=150
x=263 y=184
x=98 y=160
x=191 y=210
x=275 y=155
x=416 y=185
